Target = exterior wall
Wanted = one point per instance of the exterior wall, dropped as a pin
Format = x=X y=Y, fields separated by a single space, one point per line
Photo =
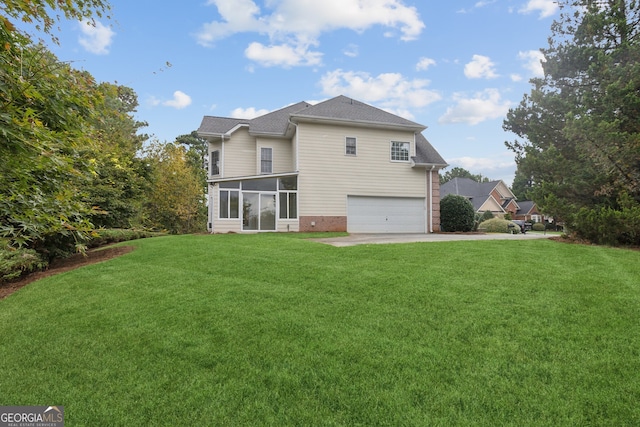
x=493 y=206
x=323 y=223
x=239 y=155
x=512 y=208
x=435 y=197
x=327 y=175
x=283 y=156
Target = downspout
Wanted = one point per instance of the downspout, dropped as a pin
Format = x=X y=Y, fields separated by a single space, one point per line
x=431 y=199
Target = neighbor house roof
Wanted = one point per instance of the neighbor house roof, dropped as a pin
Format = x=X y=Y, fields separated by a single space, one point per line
x=476 y=192
x=335 y=110
x=526 y=207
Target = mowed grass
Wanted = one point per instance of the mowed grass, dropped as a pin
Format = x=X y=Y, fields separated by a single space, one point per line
x=271 y=329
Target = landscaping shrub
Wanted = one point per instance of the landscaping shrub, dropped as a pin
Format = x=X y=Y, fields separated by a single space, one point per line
x=499 y=225
x=16 y=262
x=609 y=226
x=115 y=235
x=456 y=214
x=538 y=226
x=486 y=215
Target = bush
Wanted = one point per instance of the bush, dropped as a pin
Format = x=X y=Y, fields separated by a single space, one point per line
x=486 y=215
x=456 y=214
x=538 y=226
x=499 y=225
x=16 y=262
x=609 y=226
x=107 y=236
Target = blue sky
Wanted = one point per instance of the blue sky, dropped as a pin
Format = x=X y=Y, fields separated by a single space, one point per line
x=454 y=66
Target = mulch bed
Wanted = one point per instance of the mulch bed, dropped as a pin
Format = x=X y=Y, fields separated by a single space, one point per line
x=62 y=265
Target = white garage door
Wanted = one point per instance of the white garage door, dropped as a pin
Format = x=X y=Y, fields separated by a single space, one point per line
x=385 y=214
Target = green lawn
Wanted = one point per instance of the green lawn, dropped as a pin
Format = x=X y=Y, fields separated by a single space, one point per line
x=274 y=329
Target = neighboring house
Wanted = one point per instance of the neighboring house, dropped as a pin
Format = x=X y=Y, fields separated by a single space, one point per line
x=528 y=211
x=340 y=165
x=492 y=196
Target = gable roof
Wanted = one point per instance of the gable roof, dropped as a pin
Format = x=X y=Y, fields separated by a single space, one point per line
x=476 y=192
x=343 y=109
x=526 y=207
x=340 y=109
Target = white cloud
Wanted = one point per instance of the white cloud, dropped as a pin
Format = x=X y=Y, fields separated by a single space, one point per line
x=282 y=55
x=480 y=67
x=533 y=62
x=298 y=24
x=546 y=8
x=486 y=105
x=351 y=50
x=248 y=113
x=180 y=100
x=391 y=91
x=425 y=63
x=96 y=38
x=516 y=78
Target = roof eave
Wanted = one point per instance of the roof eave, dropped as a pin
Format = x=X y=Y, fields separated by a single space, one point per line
x=319 y=119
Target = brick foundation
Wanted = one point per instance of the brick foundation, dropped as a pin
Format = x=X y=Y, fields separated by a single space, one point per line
x=323 y=223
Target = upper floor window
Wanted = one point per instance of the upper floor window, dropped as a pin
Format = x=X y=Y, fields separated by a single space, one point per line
x=266 y=160
x=350 y=146
x=214 y=162
x=399 y=151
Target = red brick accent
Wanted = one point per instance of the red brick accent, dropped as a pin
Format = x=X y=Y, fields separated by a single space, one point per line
x=323 y=223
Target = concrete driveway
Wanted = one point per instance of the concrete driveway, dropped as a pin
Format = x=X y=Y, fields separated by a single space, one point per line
x=365 y=239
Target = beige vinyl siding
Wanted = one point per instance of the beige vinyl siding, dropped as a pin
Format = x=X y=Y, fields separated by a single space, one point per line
x=327 y=175
x=239 y=154
x=490 y=205
x=282 y=154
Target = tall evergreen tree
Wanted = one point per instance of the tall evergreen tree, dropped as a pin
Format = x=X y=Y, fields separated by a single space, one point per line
x=580 y=124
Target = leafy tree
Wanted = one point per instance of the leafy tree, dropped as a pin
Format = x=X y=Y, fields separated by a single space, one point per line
x=580 y=125
x=459 y=172
x=456 y=213
x=44 y=110
x=121 y=177
x=46 y=13
x=176 y=200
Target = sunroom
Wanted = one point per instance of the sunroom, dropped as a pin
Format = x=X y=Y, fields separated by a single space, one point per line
x=254 y=204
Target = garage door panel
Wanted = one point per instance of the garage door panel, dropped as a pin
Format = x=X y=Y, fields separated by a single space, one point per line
x=385 y=214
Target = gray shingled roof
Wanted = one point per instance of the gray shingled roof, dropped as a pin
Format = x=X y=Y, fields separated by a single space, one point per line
x=219 y=125
x=338 y=108
x=526 y=206
x=343 y=108
x=426 y=154
x=276 y=122
x=477 y=192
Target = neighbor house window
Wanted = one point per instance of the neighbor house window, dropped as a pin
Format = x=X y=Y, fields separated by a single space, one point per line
x=350 y=146
x=229 y=200
x=266 y=160
x=215 y=162
x=399 y=151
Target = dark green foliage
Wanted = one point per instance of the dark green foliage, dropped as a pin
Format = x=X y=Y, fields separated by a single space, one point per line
x=486 y=215
x=109 y=236
x=538 y=226
x=607 y=225
x=580 y=147
x=459 y=172
x=456 y=214
x=16 y=262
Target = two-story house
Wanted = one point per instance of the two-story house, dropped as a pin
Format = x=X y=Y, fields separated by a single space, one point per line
x=339 y=165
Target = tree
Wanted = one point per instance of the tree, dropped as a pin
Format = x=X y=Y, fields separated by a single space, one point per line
x=45 y=13
x=45 y=107
x=121 y=177
x=459 y=172
x=176 y=199
x=580 y=125
x=456 y=213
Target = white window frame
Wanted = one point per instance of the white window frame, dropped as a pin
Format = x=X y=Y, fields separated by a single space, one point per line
x=348 y=139
x=392 y=151
x=229 y=191
x=263 y=160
